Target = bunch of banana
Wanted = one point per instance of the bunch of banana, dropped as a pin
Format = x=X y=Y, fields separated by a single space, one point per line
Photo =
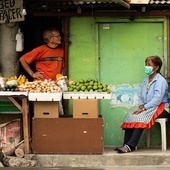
x=12 y=78
x=22 y=79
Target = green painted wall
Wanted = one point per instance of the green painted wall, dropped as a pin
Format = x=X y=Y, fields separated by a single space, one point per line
x=82 y=55
x=113 y=50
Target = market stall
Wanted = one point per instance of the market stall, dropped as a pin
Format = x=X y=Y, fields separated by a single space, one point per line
x=81 y=132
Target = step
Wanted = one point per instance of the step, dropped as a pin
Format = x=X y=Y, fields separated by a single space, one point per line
x=110 y=158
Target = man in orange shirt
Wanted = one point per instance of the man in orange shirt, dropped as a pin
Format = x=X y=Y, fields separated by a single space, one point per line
x=49 y=58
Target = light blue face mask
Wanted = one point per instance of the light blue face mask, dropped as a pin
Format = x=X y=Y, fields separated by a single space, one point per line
x=148 y=70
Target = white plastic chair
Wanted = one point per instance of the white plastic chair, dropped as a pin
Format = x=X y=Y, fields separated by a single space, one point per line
x=162 y=122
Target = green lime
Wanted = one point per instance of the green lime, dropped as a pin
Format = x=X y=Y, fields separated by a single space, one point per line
x=80 y=84
x=70 y=89
x=95 y=87
x=100 y=86
x=83 y=88
x=86 y=84
x=96 y=80
x=95 y=84
x=77 y=83
x=73 y=86
x=89 y=79
x=89 y=87
x=81 y=81
x=85 y=81
x=78 y=88
x=99 y=90
x=91 y=83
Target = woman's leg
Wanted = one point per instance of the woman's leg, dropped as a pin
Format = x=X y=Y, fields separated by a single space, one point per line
x=128 y=134
x=133 y=142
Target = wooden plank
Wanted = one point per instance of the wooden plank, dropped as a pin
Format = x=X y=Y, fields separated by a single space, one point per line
x=15 y=103
x=26 y=124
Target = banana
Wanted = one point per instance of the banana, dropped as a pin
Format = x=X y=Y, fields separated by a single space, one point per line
x=22 y=79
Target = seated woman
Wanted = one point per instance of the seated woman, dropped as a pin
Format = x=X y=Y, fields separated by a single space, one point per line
x=153 y=103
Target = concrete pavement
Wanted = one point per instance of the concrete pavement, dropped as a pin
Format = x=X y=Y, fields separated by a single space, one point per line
x=152 y=167
x=109 y=159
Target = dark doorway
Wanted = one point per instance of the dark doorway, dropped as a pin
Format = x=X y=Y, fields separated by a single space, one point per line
x=32 y=28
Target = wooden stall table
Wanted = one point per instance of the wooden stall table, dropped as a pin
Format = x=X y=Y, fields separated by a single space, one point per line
x=24 y=108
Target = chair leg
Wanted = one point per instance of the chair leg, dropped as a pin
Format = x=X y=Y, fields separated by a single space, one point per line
x=162 y=122
x=148 y=138
x=163 y=135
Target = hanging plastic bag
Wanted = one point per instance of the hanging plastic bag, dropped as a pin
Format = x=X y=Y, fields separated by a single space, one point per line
x=19 y=41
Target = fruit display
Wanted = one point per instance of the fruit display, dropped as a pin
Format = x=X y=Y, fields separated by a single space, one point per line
x=88 y=85
x=11 y=83
x=46 y=86
x=10 y=87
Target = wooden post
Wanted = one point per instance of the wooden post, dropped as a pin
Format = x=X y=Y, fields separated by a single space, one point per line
x=26 y=124
x=66 y=49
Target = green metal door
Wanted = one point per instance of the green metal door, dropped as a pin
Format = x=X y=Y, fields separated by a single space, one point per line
x=122 y=49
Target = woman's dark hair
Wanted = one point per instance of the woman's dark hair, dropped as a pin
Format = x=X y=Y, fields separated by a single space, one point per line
x=156 y=60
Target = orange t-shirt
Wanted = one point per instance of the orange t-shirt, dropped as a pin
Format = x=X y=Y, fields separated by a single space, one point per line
x=50 y=68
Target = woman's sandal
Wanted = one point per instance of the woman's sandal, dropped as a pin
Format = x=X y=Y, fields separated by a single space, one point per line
x=124 y=149
x=116 y=149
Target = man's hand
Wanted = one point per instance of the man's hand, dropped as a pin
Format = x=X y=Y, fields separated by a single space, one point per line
x=38 y=75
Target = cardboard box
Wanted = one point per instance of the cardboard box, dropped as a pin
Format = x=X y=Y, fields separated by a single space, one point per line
x=85 y=108
x=67 y=136
x=46 y=109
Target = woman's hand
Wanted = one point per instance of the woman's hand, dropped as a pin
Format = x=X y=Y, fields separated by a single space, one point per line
x=136 y=112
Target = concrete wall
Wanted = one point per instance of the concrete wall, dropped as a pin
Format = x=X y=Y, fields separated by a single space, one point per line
x=9 y=63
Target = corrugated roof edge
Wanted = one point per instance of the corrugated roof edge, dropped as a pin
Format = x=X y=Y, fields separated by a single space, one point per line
x=159 y=2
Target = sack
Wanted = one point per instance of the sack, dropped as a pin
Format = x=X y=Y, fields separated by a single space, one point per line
x=9 y=133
